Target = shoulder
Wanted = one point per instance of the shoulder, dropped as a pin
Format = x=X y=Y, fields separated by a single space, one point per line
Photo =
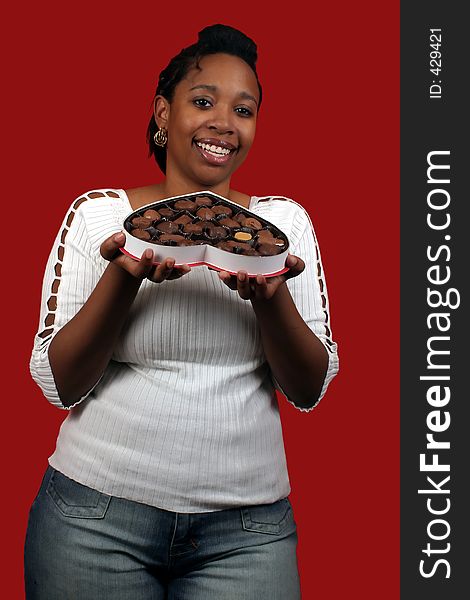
x=281 y=202
x=98 y=197
x=281 y=208
x=99 y=201
x=98 y=212
x=287 y=214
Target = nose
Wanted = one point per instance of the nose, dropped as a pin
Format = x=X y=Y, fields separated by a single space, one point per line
x=221 y=119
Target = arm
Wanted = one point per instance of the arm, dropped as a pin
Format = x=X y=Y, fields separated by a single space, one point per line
x=298 y=359
x=293 y=316
x=82 y=349
x=84 y=313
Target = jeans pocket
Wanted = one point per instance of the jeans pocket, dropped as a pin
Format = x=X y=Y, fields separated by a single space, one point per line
x=272 y=519
x=76 y=500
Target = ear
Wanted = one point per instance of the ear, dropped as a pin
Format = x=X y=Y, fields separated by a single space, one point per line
x=161 y=111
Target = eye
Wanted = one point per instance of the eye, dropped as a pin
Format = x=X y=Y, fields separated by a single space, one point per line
x=244 y=111
x=202 y=102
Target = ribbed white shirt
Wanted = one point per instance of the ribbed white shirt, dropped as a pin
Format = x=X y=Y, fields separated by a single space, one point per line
x=185 y=416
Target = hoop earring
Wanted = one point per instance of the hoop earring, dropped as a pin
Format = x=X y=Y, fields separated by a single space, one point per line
x=161 y=137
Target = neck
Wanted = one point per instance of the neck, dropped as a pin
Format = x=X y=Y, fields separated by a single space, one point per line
x=175 y=186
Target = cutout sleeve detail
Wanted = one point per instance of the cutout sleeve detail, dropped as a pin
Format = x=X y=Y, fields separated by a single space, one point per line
x=72 y=272
x=310 y=295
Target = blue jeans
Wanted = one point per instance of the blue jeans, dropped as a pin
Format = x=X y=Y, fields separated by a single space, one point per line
x=85 y=545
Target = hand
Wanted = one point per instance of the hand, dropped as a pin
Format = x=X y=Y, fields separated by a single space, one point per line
x=144 y=268
x=261 y=287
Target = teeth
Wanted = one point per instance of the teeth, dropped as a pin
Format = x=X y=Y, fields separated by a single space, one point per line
x=214 y=149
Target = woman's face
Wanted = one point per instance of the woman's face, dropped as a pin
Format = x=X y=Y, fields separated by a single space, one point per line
x=211 y=122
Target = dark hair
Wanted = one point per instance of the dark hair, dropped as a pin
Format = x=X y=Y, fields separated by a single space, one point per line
x=211 y=40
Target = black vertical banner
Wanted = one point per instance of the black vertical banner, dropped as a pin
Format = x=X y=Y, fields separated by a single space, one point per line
x=435 y=239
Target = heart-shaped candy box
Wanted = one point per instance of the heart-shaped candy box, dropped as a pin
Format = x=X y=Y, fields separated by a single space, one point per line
x=204 y=228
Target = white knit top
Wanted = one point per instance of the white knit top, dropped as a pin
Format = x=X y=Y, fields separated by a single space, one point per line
x=185 y=416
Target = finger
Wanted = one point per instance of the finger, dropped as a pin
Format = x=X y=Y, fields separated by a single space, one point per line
x=111 y=245
x=185 y=269
x=163 y=270
x=261 y=288
x=243 y=285
x=145 y=264
x=228 y=279
x=295 y=265
x=178 y=272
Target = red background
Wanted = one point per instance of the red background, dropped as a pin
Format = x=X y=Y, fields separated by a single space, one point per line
x=80 y=81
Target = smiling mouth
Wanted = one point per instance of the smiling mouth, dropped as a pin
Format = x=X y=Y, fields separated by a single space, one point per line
x=213 y=153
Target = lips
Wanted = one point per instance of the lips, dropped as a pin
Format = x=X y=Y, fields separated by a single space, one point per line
x=214 y=151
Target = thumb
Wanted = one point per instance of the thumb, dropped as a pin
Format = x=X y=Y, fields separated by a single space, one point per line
x=111 y=245
x=295 y=265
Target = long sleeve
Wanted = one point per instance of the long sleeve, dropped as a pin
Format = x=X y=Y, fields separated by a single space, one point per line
x=310 y=295
x=72 y=272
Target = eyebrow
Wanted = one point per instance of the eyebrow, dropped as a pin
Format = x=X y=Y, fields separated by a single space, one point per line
x=213 y=88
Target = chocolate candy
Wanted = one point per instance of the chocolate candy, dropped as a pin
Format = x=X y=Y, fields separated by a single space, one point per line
x=250 y=251
x=141 y=234
x=220 y=209
x=185 y=205
x=215 y=231
x=268 y=249
x=183 y=219
x=170 y=240
x=168 y=227
x=203 y=201
x=152 y=214
x=252 y=222
x=205 y=213
x=166 y=212
x=194 y=227
x=229 y=222
x=265 y=236
x=240 y=217
x=243 y=236
x=227 y=246
x=141 y=222
x=236 y=247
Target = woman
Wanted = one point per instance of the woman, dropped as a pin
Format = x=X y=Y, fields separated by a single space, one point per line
x=169 y=477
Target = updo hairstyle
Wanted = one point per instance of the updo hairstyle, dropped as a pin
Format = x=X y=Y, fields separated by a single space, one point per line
x=211 y=40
